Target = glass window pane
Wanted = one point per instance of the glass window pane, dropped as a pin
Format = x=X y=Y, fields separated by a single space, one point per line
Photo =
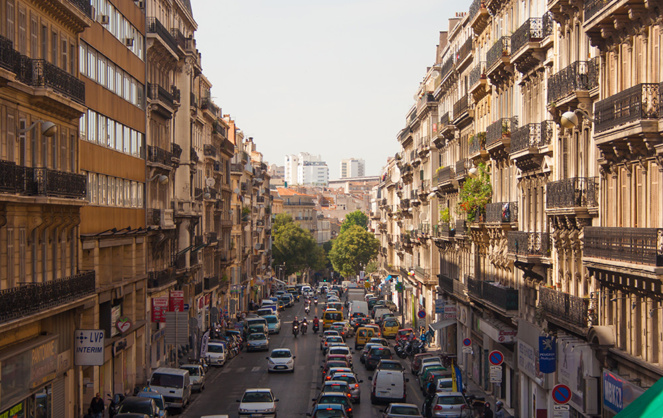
x=127 y=87
x=93 y=188
x=134 y=143
x=102 y=190
x=111 y=77
x=134 y=194
x=82 y=127
x=140 y=194
x=111 y=132
x=111 y=191
x=118 y=136
x=127 y=140
x=92 y=126
x=118 y=81
x=102 y=130
x=101 y=70
x=92 y=64
x=81 y=58
x=127 y=193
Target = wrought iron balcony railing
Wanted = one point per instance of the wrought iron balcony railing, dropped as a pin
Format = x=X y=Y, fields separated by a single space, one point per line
x=42 y=73
x=461 y=168
x=217 y=128
x=593 y=7
x=477 y=143
x=465 y=50
x=211 y=282
x=446 y=231
x=528 y=243
x=156 y=279
x=461 y=106
x=531 y=135
x=446 y=68
x=474 y=8
x=502 y=212
x=500 y=128
x=33 y=298
x=155 y=26
x=207 y=103
x=209 y=150
x=444 y=121
x=47 y=182
x=446 y=283
x=179 y=37
x=502 y=48
x=177 y=150
x=156 y=92
x=633 y=245
x=8 y=55
x=530 y=31
x=581 y=75
x=445 y=175
x=576 y=192
x=461 y=227
x=477 y=73
x=633 y=104
x=83 y=5
x=564 y=307
x=159 y=155
x=501 y=296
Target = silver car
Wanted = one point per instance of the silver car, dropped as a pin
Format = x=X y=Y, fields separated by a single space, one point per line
x=257 y=341
x=196 y=375
x=401 y=410
x=353 y=384
x=448 y=404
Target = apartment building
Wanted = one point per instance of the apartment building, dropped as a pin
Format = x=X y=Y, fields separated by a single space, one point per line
x=556 y=121
x=353 y=167
x=45 y=285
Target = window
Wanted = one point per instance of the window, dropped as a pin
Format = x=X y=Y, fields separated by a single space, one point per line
x=72 y=59
x=11 y=136
x=101 y=70
x=10 y=29
x=92 y=127
x=34 y=36
x=111 y=133
x=111 y=191
x=65 y=60
x=82 y=127
x=54 y=152
x=72 y=152
x=21 y=251
x=91 y=63
x=127 y=140
x=54 y=48
x=44 y=42
x=10 y=258
x=63 y=151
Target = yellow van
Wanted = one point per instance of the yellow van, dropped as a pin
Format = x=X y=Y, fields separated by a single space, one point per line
x=364 y=334
x=390 y=327
x=329 y=317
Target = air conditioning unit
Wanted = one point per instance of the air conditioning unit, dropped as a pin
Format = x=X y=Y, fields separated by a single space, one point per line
x=104 y=19
x=129 y=42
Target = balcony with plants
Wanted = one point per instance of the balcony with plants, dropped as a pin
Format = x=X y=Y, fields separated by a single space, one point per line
x=477 y=146
x=475 y=195
x=528 y=144
x=527 y=46
x=445 y=229
x=498 y=134
x=502 y=213
x=498 y=60
x=479 y=16
x=478 y=82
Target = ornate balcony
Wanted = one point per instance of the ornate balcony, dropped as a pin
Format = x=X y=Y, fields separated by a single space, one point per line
x=479 y=16
x=446 y=68
x=464 y=54
x=158 y=155
x=631 y=245
x=155 y=27
x=446 y=179
x=34 y=298
x=477 y=146
x=8 y=55
x=526 y=144
x=502 y=212
x=47 y=182
x=478 y=82
x=563 y=308
x=41 y=73
x=162 y=97
x=498 y=59
x=446 y=283
x=425 y=101
x=502 y=297
x=572 y=193
x=211 y=282
x=574 y=81
x=528 y=244
x=219 y=129
x=498 y=134
x=462 y=110
x=177 y=151
x=636 y=105
x=461 y=169
x=526 y=47
x=157 y=279
x=461 y=227
x=209 y=150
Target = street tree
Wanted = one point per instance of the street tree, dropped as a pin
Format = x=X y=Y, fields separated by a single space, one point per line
x=357 y=217
x=295 y=247
x=352 y=249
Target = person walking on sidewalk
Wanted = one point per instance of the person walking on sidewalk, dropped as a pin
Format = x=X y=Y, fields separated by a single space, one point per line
x=487 y=412
x=499 y=410
x=97 y=406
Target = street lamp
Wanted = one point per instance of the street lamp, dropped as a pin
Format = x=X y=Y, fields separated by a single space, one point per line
x=569 y=120
x=48 y=128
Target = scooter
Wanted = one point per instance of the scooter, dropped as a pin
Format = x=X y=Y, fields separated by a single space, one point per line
x=307 y=308
x=315 y=300
x=315 y=328
x=114 y=406
x=304 y=328
x=295 y=330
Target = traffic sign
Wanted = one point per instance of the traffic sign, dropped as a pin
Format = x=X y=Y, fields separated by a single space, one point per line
x=467 y=342
x=496 y=358
x=561 y=411
x=561 y=394
x=422 y=314
x=467 y=350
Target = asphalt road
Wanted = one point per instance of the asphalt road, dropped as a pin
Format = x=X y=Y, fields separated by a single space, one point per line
x=294 y=390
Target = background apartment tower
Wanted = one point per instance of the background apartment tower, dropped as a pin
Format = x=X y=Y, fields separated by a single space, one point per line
x=353 y=167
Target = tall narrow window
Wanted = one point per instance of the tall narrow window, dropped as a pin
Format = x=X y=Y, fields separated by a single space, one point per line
x=11 y=136
x=22 y=240
x=82 y=58
x=63 y=51
x=54 y=253
x=44 y=42
x=11 y=262
x=54 y=48
x=10 y=16
x=72 y=152
x=34 y=36
x=72 y=59
x=22 y=145
x=64 y=155
x=54 y=152
x=22 y=31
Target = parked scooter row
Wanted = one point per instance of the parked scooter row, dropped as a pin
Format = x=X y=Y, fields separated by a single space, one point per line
x=406 y=348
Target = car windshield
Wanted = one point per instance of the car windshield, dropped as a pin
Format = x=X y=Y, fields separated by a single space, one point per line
x=405 y=410
x=193 y=370
x=444 y=384
x=137 y=407
x=254 y=337
x=342 y=351
x=271 y=319
x=450 y=400
x=334 y=340
x=329 y=413
x=390 y=365
x=158 y=399
x=250 y=397
x=333 y=316
x=348 y=378
x=281 y=354
x=336 y=364
x=337 y=399
x=215 y=348
x=380 y=352
x=336 y=387
x=390 y=324
x=166 y=380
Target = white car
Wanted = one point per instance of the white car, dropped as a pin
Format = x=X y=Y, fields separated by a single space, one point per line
x=281 y=360
x=257 y=402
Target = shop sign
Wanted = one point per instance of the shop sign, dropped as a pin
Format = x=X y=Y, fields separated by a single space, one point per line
x=450 y=312
x=176 y=301
x=123 y=324
x=527 y=360
x=89 y=347
x=499 y=333
x=116 y=313
x=574 y=363
x=44 y=363
x=15 y=411
x=547 y=355
x=159 y=308
x=617 y=392
x=439 y=306
x=201 y=303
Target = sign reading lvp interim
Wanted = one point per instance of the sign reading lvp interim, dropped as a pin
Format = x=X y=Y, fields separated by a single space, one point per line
x=89 y=347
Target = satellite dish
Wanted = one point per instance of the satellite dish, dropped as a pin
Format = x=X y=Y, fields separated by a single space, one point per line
x=236 y=190
x=210 y=182
x=395 y=175
x=257 y=246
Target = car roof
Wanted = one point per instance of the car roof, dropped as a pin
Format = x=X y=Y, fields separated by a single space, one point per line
x=442 y=394
x=136 y=400
x=258 y=390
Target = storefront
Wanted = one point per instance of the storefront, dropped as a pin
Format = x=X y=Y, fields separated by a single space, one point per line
x=618 y=393
x=578 y=368
x=499 y=336
x=535 y=386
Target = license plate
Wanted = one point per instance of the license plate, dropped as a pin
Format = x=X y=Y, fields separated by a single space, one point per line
x=280 y=367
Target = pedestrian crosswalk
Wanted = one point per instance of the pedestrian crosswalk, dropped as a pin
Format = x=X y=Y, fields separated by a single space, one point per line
x=240 y=370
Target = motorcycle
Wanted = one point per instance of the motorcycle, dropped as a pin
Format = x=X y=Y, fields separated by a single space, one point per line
x=307 y=309
x=304 y=328
x=315 y=300
x=295 y=330
x=400 y=349
x=114 y=406
x=316 y=327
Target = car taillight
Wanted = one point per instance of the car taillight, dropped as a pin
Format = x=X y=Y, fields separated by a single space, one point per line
x=437 y=408
x=356 y=385
x=349 y=409
x=328 y=377
x=463 y=407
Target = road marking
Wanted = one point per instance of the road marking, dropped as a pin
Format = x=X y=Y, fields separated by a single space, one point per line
x=226 y=370
x=256 y=369
x=241 y=369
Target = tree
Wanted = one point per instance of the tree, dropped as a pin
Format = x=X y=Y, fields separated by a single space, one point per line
x=352 y=249
x=281 y=220
x=476 y=194
x=371 y=267
x=357 y=217
x=295 y=247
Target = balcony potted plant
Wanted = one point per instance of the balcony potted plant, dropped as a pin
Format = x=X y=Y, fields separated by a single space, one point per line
x=506 y=129
x=475 y=194
x=445 y=216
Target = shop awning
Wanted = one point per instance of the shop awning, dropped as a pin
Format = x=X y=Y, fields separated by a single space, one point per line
x=649 y=404
x=442 y=324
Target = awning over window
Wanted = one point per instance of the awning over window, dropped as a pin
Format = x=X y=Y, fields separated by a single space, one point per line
x=442 y=324
x=649 y=404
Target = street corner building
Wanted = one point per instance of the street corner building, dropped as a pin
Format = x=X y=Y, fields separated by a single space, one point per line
x=523 y=212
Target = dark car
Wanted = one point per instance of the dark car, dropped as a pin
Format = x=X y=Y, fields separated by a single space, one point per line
x=375 y=355
x=338 y=398
x=390 y=365
x=136 y=405
x=328 y=410
x=331 y=364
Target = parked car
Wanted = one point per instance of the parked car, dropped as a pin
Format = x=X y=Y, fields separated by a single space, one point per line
x=426 y=372
x=216 y=353
x=158 y=399
x=281 y=360
x=416 y=361
x=273 y=324
x=447 y=404
x=402 y=410
x=139 y=405
x=173 y=384
x=257 y=402
x=196 y=375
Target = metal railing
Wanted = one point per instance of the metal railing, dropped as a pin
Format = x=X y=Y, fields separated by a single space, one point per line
x=446 y=283
x=159 y=155
x=477 y=143
x=530 y=31
x=502 y=48
x=236 y=168
x=461 y=106
x=564 y=307
x=496 y=130
x=156 y=92
x=446 y=231
x=84 y=6
x=474 y=8
x=635 y=245
x=155 y=26
x=461 y=168
x=211 y=282
x=502 y=212
x=160 y=278
x=581 y=75
x=217 y=128
x=179 y=37
x=461 y=227
x=8 y=55
x=45 y=74
x=207 y=103
x=445 y=175
x=444 y=121
x=574 y=192
x=592 y=7
x=636 y=103
x=528 y=243
x=498 y=295
x=176 y=150
x=465 y=50
x=33 y=298
x=477 y=73
x=532 y=135
x=209 y=150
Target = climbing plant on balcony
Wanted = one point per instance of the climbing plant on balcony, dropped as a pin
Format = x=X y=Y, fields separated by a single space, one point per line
x=445 y=216
x=476 y=194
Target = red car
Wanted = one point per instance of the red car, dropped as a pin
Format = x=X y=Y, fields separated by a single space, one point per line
x=403 y=334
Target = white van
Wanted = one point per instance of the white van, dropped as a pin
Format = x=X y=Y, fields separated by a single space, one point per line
x=388 y=386
x=173 y=384
x=216 y=353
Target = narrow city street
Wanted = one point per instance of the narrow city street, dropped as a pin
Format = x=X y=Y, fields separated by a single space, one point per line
x=249 y=370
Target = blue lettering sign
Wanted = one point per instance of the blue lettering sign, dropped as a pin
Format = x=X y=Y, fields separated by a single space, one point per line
x=612 y=392
x=547 y=355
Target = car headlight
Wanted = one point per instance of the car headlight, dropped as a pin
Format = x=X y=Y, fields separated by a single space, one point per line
x=290 y=361
x=242 y=410
x=271 y=363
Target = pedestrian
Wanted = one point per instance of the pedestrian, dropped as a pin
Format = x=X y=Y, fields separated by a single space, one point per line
x=97 y=406
x=499 y=410
x=487 y=412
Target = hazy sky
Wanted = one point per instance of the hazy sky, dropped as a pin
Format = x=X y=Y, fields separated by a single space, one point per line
x=328 y=77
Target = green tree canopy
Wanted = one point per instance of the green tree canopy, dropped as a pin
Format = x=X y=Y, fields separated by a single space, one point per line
x=475 y=194
x=371 y=267
x=295 y=247
x=351 y=249
x=357 y=217
x=281 y=220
